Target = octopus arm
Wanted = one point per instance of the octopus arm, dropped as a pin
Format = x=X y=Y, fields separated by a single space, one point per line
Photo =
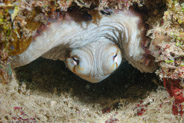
x=121 y=28
x=60 y=34
x=128 y=33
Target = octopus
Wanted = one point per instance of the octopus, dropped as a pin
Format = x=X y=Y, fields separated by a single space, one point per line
x=93 y=51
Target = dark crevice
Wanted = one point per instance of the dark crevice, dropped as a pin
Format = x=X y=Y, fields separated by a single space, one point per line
x=49 y=76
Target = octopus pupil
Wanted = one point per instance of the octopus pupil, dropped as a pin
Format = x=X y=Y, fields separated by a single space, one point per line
x=114 y=56
x=76 y=60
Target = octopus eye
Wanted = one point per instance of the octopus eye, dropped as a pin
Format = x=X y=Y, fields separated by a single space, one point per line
x=75 y=60
x=114 y=57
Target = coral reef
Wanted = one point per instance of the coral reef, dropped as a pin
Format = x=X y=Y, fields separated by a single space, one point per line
x=20 y=19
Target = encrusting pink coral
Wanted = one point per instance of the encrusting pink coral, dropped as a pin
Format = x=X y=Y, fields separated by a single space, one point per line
x=175 y=90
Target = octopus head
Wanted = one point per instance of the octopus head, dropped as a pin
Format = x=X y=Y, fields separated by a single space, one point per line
x=94 y=62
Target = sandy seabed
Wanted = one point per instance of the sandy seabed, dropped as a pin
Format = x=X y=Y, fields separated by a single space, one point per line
x=46 y=91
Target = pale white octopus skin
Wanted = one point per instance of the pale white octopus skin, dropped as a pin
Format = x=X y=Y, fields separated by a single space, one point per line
x=94 y=45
